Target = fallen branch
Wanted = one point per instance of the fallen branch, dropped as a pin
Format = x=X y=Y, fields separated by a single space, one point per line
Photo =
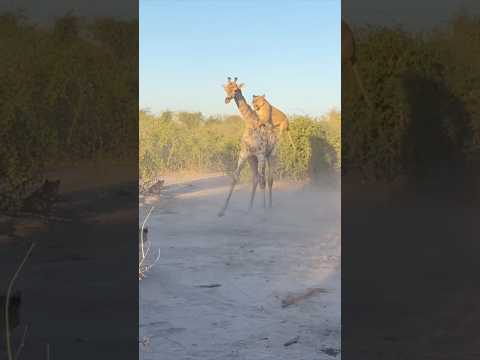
x=294 y=299
x=292 y=341
x=151 y=187
x=209 y=286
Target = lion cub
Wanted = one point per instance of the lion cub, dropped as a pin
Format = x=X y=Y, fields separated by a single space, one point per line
x=268 y=113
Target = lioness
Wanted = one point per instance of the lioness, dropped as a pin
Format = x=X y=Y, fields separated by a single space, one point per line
x=266 y=112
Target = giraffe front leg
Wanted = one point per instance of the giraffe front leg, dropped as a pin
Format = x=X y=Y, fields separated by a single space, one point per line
x=236 y=177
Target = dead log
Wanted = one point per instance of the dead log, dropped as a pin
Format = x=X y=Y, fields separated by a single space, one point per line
x=294 y=299
x=151 y=187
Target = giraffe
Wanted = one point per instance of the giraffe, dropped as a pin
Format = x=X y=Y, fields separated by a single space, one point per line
x=349 y=58
x=256 y=145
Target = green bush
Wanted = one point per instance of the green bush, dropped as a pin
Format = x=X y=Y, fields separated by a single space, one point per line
x=174 y=142
x=425 y=91
x=68 y=93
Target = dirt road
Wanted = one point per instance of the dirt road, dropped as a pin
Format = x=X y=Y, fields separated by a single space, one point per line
x=218 y=288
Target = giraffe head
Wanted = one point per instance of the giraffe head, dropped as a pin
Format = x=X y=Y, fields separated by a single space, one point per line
x=231 y=89
x=259 y=101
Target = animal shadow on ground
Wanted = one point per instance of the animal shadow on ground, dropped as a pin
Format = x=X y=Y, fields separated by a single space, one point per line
x=425 y=242
x=436 y=134
x=322 y=161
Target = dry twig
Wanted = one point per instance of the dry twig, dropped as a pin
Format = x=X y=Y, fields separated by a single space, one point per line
x=7 y=303
x=22 y=343
x=144 y=267
x=292 y=341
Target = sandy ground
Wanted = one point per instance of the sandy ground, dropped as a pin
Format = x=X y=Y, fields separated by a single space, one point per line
x=258 y=259
x=74 y=277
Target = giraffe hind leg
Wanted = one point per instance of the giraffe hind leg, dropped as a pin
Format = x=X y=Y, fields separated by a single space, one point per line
x=261 y=176
x=270 y=171
x=254 y=167
x=264 y=188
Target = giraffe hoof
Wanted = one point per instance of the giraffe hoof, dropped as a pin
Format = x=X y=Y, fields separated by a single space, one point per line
x=221 y=213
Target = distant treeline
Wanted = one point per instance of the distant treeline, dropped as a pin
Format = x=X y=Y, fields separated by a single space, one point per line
x=68 y=92
x=184 y=141
x=425 y=90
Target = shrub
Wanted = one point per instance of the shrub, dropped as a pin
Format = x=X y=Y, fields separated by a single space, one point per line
x=173 y=142
x=424 y=89
x=68 y=94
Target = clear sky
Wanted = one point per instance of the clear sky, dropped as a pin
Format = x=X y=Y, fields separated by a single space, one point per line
x=288 y=50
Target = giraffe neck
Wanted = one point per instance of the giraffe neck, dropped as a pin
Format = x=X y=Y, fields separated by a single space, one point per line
x=246 y=111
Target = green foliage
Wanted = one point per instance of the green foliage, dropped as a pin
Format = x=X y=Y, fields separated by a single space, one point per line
x=68 y=93
x=425 y=91
x=187 y=142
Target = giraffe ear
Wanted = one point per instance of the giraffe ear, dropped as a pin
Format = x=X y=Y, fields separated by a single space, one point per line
x=241 y=85
x=263 y=96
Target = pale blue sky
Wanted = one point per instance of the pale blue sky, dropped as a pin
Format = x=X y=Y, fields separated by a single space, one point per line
x=288 y=50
